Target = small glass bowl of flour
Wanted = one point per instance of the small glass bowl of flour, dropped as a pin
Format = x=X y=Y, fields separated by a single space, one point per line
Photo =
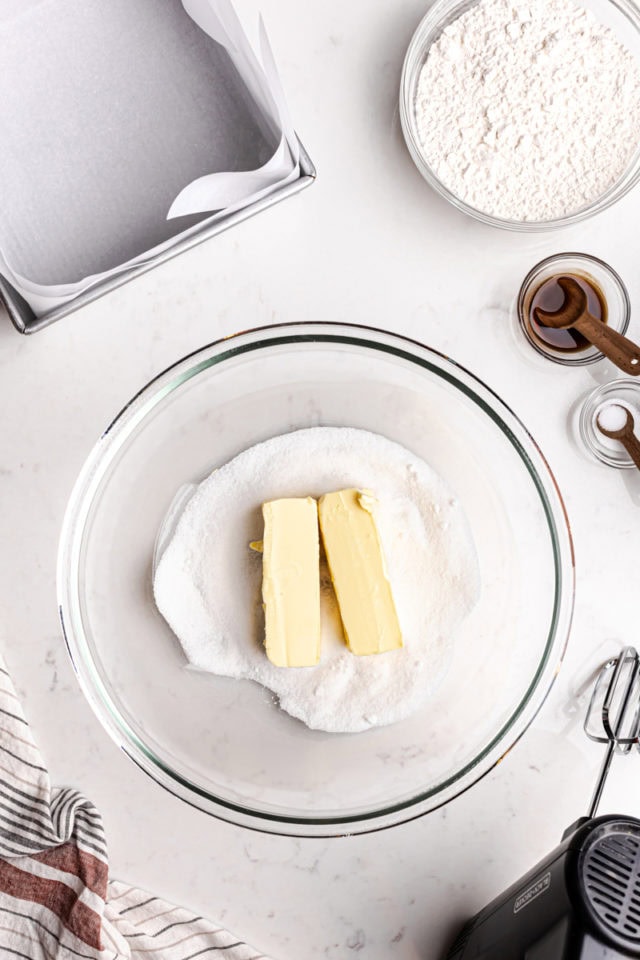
x=525 y=114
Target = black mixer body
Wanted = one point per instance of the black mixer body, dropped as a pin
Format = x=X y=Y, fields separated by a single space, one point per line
x=582 y=902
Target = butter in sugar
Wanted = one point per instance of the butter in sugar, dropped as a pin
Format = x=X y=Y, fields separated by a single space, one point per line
x=291 y=582
x=356 y=562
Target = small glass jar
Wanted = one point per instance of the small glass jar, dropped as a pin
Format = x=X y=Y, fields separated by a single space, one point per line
x=624 y=392
x=595 y=272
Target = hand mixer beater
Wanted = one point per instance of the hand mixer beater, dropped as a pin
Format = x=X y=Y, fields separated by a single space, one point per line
x=582 y=902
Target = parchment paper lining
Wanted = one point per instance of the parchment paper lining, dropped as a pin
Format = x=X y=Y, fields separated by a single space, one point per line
x=128 y=126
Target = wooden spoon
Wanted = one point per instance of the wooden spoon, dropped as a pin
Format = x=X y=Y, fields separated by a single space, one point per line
x=574 y=313
x=624 y=434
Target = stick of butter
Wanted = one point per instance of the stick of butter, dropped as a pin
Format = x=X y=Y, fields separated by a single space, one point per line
x=356 y=562
x=291 y=582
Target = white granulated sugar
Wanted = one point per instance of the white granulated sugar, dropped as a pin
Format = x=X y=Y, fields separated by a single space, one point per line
x=528 y=109
x=207 y=582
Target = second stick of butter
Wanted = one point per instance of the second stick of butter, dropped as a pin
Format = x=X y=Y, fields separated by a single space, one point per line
x=356 y=561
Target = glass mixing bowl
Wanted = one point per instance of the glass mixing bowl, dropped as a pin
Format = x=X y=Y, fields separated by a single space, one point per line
x=621 y=16
x=224 y=745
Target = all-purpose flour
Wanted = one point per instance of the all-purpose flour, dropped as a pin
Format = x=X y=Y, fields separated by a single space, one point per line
x=208 y=583
x=528 y=109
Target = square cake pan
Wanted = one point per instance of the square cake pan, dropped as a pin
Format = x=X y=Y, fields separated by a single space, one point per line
x=114 y=108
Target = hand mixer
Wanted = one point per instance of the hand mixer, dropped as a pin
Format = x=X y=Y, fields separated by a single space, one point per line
x=582 y=902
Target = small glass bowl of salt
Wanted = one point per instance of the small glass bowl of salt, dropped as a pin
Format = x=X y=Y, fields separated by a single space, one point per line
x=603 y=403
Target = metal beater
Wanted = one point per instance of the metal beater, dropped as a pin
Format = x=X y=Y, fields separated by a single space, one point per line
x=616 y=721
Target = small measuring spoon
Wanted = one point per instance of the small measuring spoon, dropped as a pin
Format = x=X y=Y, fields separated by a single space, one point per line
x=616 y=422
x=574 y=313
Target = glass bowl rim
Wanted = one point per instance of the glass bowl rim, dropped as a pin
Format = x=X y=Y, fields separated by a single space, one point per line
x=434 y=22
x=123 y=427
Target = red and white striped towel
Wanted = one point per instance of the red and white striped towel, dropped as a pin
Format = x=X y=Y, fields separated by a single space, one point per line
x=56 y=900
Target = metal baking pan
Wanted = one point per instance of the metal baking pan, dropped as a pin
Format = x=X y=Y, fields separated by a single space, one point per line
x=112 y=110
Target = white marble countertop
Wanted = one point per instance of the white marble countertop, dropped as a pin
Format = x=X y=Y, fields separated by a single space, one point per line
x=368 y=243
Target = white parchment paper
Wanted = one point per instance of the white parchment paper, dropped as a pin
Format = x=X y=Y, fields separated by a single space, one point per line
x=126 y=127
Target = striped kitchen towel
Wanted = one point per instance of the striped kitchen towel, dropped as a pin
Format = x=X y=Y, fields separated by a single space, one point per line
x=56 y=900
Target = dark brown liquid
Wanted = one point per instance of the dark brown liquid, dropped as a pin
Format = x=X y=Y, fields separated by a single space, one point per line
x=550 y=296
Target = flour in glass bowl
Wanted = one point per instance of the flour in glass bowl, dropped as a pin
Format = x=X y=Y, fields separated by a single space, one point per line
x=528 y=109
x=207 y=583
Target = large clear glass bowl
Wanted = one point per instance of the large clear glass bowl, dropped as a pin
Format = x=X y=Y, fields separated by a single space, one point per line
x=223 y=744
x=621 y=16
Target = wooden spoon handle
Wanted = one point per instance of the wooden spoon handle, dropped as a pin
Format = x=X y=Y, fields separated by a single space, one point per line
x=632 y=445
x=622 y=351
